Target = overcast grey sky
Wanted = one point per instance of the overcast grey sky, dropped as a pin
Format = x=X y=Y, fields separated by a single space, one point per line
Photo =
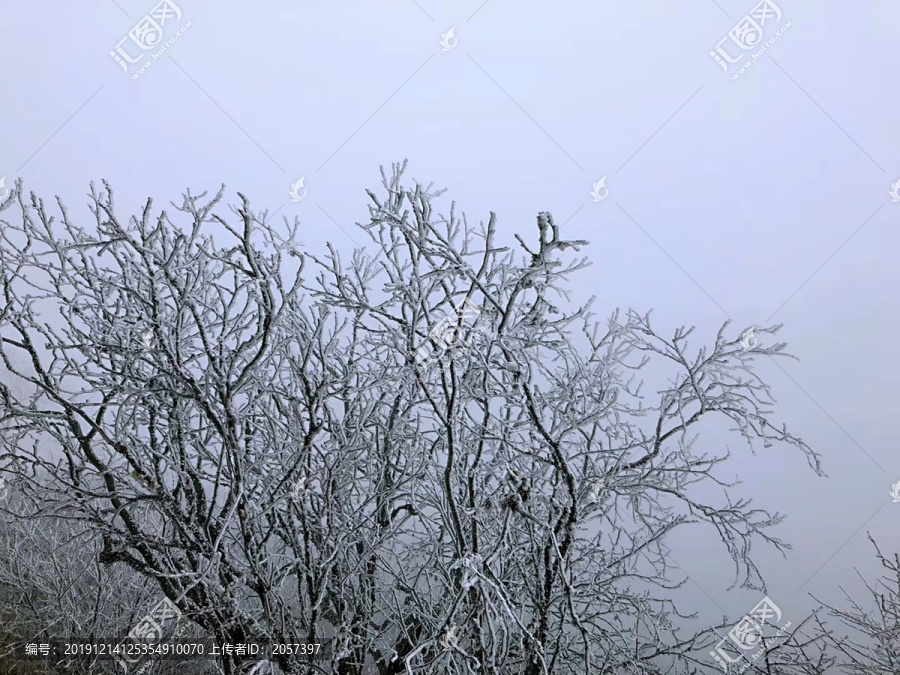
x=763 y=198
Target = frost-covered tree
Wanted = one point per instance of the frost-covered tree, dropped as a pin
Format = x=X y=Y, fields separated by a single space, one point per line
x=424 y=452
x=52 y=587
x=869 y=643
x=857 y=637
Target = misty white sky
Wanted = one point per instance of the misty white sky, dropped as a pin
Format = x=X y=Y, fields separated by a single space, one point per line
x=727 y=198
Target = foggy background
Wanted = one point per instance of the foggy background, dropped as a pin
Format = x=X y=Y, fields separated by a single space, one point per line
x=764 y=199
